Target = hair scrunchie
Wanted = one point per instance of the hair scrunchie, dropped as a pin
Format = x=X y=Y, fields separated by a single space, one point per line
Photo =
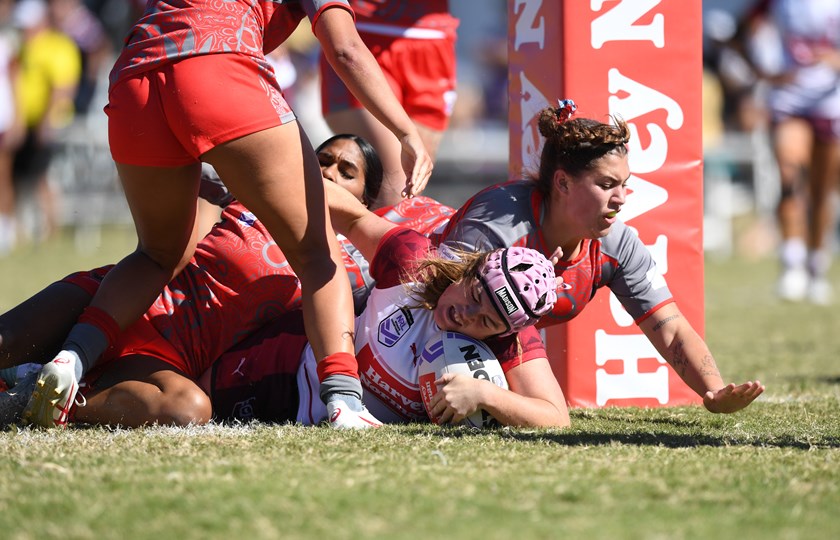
x=565 y=109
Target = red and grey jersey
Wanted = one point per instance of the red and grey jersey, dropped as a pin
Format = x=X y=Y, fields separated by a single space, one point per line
x=510 y=214
x=429 y=19
x=358 y=271
x=169 y=31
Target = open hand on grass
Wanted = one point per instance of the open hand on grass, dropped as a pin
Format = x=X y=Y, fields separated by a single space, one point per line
x=732 y=398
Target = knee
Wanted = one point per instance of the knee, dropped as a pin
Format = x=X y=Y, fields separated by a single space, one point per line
x=312 y=260
x=170 y=262
x=190 y=407
x=787 y=192
x=792 y=175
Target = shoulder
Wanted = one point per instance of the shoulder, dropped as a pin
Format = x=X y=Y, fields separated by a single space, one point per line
x=398 y=252
x=621 y=240
x=498 y=216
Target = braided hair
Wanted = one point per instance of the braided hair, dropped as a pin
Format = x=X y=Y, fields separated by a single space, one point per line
x=574 y=144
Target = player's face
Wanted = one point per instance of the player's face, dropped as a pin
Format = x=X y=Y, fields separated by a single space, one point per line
x=343 y=163
x=465 y=307
x=596 y=196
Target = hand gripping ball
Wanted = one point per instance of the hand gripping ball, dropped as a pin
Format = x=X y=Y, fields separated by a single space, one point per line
x=451 y=352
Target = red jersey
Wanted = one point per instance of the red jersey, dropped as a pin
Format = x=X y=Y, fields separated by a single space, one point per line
x=172 y=30
x=422 y=214
x=405 y=18
x=237 y=281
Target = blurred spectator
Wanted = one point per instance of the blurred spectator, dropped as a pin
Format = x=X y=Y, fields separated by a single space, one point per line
x=74 y=19
x=50 y=68
x=10 y=130
x=117 y=17
x=803 y=71
x=738 y=80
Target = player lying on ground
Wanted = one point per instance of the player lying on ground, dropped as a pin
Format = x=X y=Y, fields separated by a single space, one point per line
x=136 y=386
x=569 y=212
x=151 y=379
x=398 y=320
x=227 y=267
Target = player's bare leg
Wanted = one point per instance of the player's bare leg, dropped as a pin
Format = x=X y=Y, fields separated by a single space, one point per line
x=793 y=139
x=139 y=390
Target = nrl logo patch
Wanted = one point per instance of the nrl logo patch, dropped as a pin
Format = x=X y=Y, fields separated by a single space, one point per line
x=394 y=326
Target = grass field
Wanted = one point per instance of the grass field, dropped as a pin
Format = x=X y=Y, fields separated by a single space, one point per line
x=772 y=471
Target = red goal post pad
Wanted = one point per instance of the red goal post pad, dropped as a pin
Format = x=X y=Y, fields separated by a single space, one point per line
x=640 y=60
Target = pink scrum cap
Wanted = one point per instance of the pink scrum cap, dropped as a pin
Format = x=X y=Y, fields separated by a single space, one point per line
x=521 y=284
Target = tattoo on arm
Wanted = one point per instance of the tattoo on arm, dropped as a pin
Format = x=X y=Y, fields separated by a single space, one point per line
x=663 y=321
x=679 y=362
x=709 y=367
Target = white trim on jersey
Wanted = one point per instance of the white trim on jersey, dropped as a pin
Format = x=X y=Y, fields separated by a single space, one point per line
x=400 y=31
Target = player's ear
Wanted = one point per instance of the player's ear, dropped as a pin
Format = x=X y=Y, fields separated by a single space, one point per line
x=561 y=180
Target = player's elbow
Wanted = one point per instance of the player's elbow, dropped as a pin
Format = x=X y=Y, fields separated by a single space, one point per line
x=556 y=415
x=558 y=418
x=344 y=52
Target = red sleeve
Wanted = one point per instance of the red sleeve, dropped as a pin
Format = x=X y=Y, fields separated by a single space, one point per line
x=518 y=348
x=398 y=252
x=88 y=280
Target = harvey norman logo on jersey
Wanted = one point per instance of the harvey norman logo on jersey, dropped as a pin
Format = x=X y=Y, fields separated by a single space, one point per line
x=640 y=60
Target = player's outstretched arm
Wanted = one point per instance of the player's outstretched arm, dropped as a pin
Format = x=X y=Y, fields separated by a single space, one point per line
x=686 y=352
x=351 y=218
x=358 y=69
x=534 y=399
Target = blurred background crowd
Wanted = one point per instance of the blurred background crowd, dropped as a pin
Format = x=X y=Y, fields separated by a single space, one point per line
x=56 y=171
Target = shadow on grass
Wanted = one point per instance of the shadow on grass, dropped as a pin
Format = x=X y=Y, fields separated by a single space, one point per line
x=808 y=381
x=650 y=438
x=670 y=440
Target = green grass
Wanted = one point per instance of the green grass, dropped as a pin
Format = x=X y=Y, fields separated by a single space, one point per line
x=771 y=471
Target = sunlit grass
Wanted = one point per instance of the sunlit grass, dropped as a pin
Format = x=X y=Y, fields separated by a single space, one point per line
x=770 y=471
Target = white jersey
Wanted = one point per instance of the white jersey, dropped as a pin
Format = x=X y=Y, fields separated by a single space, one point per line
x=390 y=336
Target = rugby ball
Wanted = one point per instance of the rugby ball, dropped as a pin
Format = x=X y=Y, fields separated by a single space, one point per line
x=451 y=352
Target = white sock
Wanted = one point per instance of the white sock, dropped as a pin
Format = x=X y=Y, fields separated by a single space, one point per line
x=819 y=261
x=794 y=253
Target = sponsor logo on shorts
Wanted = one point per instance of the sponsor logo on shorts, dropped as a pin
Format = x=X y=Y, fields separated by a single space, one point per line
x=239 y=367
x=244 y=410
x=504 y=296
